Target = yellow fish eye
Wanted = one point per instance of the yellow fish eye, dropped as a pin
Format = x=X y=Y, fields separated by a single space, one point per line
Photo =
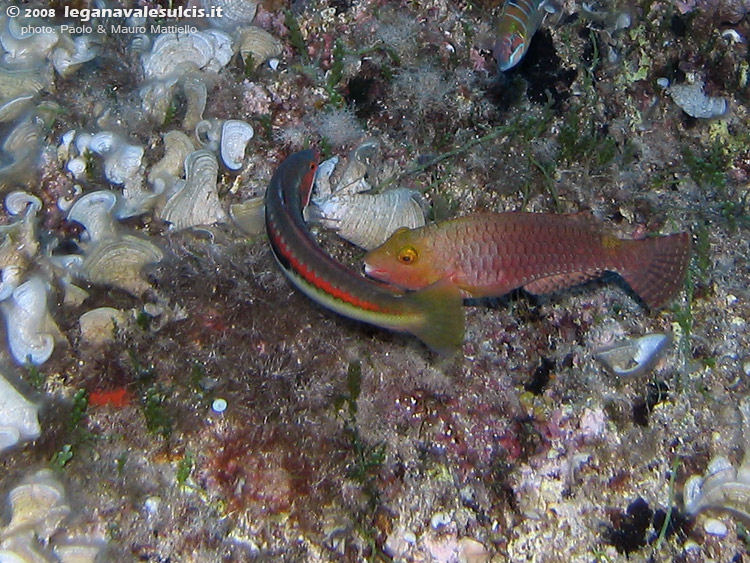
x=407 y=255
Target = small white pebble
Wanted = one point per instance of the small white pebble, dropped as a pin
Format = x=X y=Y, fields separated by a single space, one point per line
x=439 y=519
x=663 y=82
x=152 y=504
x=691 y=545
x=273 y=63
x=746 y=367
x=410 y=537
x=219 y=405
x=715 y=527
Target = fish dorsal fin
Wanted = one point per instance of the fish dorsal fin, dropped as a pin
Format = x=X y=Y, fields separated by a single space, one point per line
x=559 y=281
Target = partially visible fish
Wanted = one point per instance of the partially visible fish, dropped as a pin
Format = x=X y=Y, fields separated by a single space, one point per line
x=434 y=315
x=488 y=255
x=518 y=23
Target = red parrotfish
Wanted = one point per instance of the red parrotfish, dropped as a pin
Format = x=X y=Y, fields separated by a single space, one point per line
x=488 y=255
x=434 y=315
x=518 y=23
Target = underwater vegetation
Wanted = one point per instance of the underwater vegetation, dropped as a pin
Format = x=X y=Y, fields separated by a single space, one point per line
x=169 y=395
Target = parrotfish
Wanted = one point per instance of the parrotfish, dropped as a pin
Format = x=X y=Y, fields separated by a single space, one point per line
x=518 y=22
x=434 y=314
x=488 y=255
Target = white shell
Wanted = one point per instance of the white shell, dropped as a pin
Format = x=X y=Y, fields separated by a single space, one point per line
x=12 y=277
x=258 y=44
x=364 y=219
x=235 y=135
x=15 y=83
x=176 y=54
x=78 y=552
x=248 y=215
x=156 y=98
x=99 y=325
x=18 y=202
x=208 y=133
x=70 y=54
x=122 y=161
x=13 y=107
x=38 y=505
x=123 y=164
x=31 y=330
x=722 y=487
x=77 y=167
x=94 y=212
x=22 y=146
x=18 y=417
x=195 y=94
x=368 y=220
x=177 y=146
x=27 y=48
x=233 y=12
x=634 y=356
x=197 y=203
x=119 y=261
x=695 y=103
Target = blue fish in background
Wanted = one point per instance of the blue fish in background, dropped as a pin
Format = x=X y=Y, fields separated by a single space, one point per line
x=518 y=22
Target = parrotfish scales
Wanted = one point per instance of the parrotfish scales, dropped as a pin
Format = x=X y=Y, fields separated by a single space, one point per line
x=488 y=255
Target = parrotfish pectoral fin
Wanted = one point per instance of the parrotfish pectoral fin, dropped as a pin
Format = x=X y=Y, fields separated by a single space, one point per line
x=442 y=327
x=658 y=271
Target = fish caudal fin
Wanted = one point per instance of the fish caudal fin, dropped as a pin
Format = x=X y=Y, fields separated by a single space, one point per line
x=657 y=270
x=442 y=327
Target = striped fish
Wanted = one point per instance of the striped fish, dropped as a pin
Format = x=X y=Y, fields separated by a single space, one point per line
x=434 y=314
x=518 y=22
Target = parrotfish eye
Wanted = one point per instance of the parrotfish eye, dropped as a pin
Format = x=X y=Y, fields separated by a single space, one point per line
x=408 y=255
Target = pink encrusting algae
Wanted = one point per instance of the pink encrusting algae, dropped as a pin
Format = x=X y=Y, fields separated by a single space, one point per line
x=488 y=255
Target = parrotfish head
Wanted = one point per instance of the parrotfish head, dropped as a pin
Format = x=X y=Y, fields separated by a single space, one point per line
x=402 y=261
x=509 y=50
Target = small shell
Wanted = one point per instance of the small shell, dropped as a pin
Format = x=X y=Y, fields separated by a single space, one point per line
x=156 y=98
x=12 y=277
x=31 y=330
x=208 y=133
x=364 y=219
x=195 y=94
x=249 y=216
x=27 y=48
x=197 y=203
x=18 y=417
x=233 y=12
x=22 y=145
x=177 y=146
x=368 y=220
x=119 y=262
x=259 y=44
x=15 y=83
x=122 y=161
x=78 y=552
x=94 y=212
x=38 y=505
x=352 y=180
x=635 y=356
x=99 y=325
x=176 y=54
x=695 y=103
x=12 y=108
x=72 y=53
x=235 y=135
x=18 y=202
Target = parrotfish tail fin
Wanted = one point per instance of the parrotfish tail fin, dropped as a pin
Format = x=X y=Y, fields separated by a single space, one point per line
x=442 y=327
x=657 y=270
